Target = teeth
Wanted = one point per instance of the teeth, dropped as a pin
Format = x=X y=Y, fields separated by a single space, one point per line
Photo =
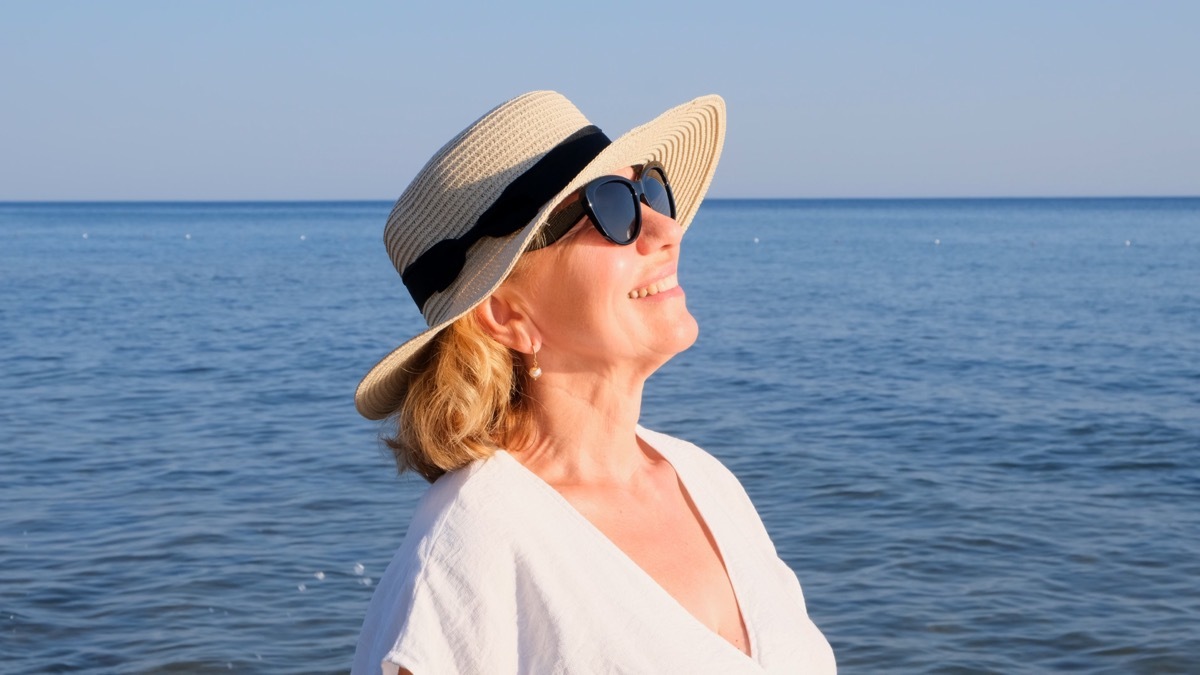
x=657 y=287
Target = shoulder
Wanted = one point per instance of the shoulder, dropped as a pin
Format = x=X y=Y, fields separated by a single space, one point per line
x=451 y=573
x=461 y=522
x=709 y=480
x=689 y=457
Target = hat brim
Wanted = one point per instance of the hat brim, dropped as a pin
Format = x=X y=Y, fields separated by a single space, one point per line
x=687 y=140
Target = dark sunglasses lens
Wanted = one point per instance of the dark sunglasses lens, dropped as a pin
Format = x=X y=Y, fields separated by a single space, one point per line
x=658 y=195
x=614 y=206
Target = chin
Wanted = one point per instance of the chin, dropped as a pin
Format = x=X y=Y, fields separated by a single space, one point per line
x=683 y=334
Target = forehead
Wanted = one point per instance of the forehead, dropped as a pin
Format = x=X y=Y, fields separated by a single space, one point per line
x=627 y=172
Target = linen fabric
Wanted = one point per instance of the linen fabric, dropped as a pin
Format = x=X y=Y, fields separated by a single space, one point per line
x=500 y=574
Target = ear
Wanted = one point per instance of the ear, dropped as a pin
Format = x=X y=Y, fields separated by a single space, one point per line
x=503 y=318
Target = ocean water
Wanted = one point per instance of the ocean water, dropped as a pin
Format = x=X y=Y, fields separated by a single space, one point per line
x=971 y=426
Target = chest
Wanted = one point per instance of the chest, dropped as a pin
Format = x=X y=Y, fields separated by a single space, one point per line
x=668 y=539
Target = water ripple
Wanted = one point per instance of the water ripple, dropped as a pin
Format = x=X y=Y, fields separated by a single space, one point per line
x=980 y=455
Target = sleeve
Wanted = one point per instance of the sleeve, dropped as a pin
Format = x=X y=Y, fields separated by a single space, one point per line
x=457 y=620
x=776 y=570
x=459 y=612
x=734 y=498
x=445 y=604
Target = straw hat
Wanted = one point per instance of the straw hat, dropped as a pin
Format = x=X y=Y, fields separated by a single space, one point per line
x=477 y=205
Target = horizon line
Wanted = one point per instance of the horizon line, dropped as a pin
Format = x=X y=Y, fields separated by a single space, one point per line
x=713 y=199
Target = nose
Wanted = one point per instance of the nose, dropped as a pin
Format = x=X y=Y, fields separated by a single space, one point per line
x=658 y=231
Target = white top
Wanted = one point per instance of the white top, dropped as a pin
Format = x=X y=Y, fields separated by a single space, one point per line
x=500 y=574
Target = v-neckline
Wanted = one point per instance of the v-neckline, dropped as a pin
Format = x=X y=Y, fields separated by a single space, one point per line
x=623 y=558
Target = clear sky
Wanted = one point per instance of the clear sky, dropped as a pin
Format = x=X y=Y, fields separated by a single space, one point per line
x=257 y=99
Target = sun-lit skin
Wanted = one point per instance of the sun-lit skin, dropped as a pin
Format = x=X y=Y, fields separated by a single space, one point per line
x=603 y=318
x=596 y=343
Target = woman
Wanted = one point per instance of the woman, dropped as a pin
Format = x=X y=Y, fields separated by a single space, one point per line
x=558 y=535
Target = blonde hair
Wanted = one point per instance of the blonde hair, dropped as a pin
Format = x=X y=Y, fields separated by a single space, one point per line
x=467 y=398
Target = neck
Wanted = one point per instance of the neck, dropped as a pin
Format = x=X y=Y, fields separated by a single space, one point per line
x=585 y=430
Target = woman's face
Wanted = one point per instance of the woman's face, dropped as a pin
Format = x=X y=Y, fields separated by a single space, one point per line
x=599 y=307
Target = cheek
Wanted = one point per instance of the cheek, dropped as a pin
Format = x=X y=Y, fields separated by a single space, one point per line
x=588 y=300
x=598 y=286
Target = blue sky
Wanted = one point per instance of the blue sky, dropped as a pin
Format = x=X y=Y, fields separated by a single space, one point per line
x=346 y=100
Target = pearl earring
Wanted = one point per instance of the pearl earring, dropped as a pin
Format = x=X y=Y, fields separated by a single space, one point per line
x=535 y=372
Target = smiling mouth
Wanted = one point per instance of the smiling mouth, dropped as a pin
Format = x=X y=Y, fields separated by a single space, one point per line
x=664 y=284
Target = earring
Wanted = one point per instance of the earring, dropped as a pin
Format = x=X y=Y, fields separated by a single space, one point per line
x=536 y=371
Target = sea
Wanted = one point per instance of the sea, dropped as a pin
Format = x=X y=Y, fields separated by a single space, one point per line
x=972 y=427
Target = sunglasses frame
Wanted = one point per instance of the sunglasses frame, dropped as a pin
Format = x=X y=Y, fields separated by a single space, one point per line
x=560 y=223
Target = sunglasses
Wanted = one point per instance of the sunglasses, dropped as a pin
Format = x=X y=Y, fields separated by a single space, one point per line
x=613 y=204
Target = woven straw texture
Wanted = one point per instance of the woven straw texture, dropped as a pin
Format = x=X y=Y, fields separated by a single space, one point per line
x=468 y=174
